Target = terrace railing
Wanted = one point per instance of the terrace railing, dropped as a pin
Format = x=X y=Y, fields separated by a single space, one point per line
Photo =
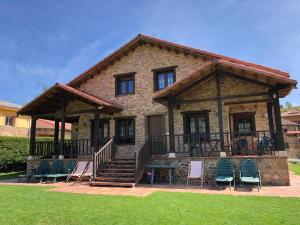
x=103 y=156
x=142 y=156
x=209 y=144
x=71 y=148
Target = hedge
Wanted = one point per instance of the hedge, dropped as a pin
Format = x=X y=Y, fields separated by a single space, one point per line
x=14 y=152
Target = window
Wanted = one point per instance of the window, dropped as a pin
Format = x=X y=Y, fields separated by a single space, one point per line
x=9 y=121
x=125 y=131
x=244 y=123
x=103 y=129
x=125 y=84
x=163 y=77
x=196 y=123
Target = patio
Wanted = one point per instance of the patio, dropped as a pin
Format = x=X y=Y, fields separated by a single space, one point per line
x=144 y=190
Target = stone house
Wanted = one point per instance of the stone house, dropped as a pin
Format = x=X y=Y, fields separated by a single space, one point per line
x=154 y=97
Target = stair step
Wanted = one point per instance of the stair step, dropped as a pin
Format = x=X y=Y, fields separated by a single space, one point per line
x=111 y=184
x=128 y=162
x=105 y=174
x=125 y=166
x=118 y=170
x=115 y=179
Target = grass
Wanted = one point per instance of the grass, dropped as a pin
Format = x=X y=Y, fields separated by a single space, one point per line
x=37 y=205
x=10 y=175
x=295 y=168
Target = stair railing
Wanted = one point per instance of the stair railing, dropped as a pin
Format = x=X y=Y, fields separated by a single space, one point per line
x=142 y=156
x=102 y=157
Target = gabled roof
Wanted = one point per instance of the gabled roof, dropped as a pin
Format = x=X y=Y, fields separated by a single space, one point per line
x=142 y=39
x=250 y=72
x=51 y=100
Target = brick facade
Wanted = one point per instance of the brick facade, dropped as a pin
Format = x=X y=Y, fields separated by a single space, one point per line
x=142 y=61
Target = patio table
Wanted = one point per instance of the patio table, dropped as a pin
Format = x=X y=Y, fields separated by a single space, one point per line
x=170 y=167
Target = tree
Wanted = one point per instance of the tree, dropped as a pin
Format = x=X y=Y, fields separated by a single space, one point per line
x=288 y=105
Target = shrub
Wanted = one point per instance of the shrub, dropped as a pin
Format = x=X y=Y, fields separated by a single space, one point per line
x=14 y=153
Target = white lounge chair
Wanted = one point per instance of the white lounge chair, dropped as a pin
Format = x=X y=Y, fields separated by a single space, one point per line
x=88 y=172
x=79 y=170
x=195 y=171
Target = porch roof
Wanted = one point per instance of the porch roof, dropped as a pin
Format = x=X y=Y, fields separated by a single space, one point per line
x=272 y=78
x=52 y=100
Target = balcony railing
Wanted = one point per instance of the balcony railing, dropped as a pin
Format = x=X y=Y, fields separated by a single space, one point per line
x=70 y=149
x=210 y=144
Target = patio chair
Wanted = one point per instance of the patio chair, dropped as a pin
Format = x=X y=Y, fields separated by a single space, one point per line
x=42 y=170
x=225 y=172
x=78 y=171
x=59 y=169
x=195 y=171
x=249 y=173
x=88 y=172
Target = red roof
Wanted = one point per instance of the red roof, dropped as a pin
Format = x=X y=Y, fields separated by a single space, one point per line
x=140 y=39
x=49 y=124
x=53 y=94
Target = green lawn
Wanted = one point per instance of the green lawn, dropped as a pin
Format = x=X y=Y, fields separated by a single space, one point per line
x=10 y=175
x=36 y=205
x=295 y=168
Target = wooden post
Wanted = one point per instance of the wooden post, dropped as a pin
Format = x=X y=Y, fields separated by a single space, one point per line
x=270 y=115
x=56 y=135
x=96 y=131
x=32 y=136
x=220 y=110
x=171 y=124
x=277 y=115
x=62 y=131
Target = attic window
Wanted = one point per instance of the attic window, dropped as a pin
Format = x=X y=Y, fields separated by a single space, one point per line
x=125 y=84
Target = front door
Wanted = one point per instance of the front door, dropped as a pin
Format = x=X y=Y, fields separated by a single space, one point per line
x=155 y=132
x=155 y=125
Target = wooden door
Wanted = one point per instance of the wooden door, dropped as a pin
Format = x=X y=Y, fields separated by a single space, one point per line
x=155 y=125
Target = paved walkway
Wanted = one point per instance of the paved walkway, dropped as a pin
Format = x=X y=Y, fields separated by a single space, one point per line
x=144 y=190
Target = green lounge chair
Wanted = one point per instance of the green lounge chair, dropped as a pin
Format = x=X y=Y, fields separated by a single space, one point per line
x=225 y=172
x=61 y=170
x=42 y=170
x=249 y=173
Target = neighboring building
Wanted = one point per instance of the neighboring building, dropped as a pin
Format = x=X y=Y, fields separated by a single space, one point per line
x=156 y=97
x=292 y=114
x=45 y=128
x=12 y=124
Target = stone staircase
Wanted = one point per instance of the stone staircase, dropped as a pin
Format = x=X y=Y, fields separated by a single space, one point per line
x=117 y=173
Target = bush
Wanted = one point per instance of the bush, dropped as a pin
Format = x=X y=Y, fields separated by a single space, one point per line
x=14 y=152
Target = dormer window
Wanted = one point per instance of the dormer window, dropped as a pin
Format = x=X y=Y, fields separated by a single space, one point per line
x=124 y=84
x=163 y=77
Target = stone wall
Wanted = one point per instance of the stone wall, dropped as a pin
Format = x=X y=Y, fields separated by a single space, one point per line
x=141 y=61
x=273 y=169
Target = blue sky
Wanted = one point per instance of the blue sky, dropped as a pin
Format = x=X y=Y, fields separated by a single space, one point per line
x=43 y=42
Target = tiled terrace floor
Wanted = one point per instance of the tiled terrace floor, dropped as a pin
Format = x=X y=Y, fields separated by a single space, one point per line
x=144 y=190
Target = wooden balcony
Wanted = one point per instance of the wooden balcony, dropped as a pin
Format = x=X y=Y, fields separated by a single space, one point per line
x=210 y=144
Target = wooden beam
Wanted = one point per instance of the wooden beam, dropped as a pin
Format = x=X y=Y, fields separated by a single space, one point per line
x=32 y=135
x=96 y=130
x=277 y=115
x=226 y=97
x=171 y=124
x=62 y=130
x=270 y=116
x=194 y=84
x=247 y=102
x=220 y=110
x=249 y=80
x=58 y=114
